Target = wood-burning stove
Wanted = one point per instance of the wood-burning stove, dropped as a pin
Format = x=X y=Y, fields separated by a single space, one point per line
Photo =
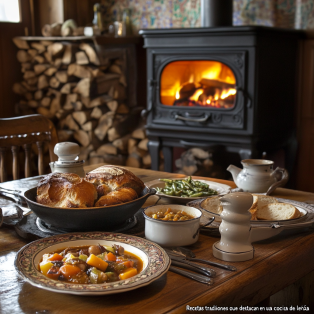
x=190 y=72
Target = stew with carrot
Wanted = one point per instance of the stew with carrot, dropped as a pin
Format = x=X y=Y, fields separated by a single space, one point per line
x=93 y=264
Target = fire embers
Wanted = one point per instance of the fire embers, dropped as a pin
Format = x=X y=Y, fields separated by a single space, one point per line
x=209 y=93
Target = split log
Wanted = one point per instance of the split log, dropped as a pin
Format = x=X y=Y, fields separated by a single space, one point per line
x=80 y=71
x=123 y=109
x=46 y=43
x=147 y=160
x=82 y=137
x=39 y=47
x=38 y=95
x=77 y=106
x=66 y=89
x=104 y=83
x=62 y=76
x=81 y=117
x=139 y=133
x=69 y=53
x=57 y=63
x=19 y=89
x=107 y=149
x=54 y=82
x=45 y=102
x=81 y=58
x=83 y=87
x=99 y=101
x=26 y=66
x=85 y=101
x=90 y=52
x=40 y=68
x=22 y=56
x=51 y=71
x=70 y=99
x=115 y=69
x=134 y=161
x=143 y=144
x=20 y=43
x=112 y=105
x=113 y=134
x=55 y=106
x=122 y=80
x=65 y=135
x=105 y=122
x=33 y=103
x=132 y=143
x=51 y=30
x=42 y=82
x=70 y=123
x=89 y=126
x=97 y=73
x=122 y=143
x=29 y=74
x=44 y=111
x=32 y=81
x=30 y=88
x=96 y=113
x=55 y=49
x=39 y=59
x=32 y=52
x=48 y=57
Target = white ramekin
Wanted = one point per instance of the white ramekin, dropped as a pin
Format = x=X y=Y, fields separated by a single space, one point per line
x=172 y=233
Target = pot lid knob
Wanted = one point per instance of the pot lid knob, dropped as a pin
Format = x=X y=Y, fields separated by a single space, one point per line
x=67 y=151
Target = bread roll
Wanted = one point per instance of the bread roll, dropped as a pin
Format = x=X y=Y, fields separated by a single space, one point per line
x=66 y=190
x=277 y=211
x=212 y=204
x=110 y=178
x=122 y=195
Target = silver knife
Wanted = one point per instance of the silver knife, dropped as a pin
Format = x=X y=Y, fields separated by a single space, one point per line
x=189 y=267
x=197 y=277
x=210 y=272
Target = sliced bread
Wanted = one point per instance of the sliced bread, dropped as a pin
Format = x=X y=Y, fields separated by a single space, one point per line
x=262 y=200
x=212 y=204
x=277 y=211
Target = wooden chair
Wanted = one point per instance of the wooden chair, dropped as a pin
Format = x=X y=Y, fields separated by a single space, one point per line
x=23 y=132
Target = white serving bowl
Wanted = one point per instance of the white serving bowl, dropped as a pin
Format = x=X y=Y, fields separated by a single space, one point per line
x=172 y=233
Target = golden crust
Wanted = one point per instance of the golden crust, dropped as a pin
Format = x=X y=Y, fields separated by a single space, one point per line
x=122 y=195
x=114 y=178
x=66 y=190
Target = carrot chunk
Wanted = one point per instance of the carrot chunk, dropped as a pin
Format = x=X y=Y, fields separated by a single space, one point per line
x=110 y=257
x=128 y=264
x=55 y=257
x=97 y=262
x=69 y=271
x=130 y=272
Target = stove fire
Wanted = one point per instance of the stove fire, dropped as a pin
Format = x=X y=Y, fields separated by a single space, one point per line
x=198 y=83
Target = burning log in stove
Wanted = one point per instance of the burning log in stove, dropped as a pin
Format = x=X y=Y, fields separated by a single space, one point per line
x=211 y=93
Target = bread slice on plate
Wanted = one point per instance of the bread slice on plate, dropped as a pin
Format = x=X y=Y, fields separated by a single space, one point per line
x=277 y=211
x=262 y=200
x=212 y=204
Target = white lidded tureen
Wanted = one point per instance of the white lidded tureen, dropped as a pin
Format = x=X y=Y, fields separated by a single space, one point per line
x=68 y=159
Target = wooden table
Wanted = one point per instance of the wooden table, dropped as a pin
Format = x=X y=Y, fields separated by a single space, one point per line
x=278 y=262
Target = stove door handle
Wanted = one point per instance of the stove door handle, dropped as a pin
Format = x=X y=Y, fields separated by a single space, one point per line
x=203 y=119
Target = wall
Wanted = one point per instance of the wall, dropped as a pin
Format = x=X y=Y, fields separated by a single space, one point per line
x=186 y=13
x=10 y=69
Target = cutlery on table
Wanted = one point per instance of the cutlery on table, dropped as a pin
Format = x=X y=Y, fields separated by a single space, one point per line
x=188 y=274
x=210 y=272
x=189 y=267
x=186 y=254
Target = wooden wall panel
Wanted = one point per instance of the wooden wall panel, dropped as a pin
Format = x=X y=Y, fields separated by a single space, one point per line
x=10 y=68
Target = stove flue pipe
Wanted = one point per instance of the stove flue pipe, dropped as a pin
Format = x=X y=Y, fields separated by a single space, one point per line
x=216 y=13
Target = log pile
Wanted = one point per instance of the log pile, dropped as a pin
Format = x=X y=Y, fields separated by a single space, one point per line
x=86 y=98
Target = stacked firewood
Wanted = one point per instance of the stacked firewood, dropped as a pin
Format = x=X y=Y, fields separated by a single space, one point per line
x=85 y=97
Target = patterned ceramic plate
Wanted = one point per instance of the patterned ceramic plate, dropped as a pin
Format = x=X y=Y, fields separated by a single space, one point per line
x=219 y=187
x=155 y=262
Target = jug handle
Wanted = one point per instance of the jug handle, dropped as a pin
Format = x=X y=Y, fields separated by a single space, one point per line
x=282 y=181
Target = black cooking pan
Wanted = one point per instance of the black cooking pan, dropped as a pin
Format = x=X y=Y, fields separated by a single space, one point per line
x=87 y=219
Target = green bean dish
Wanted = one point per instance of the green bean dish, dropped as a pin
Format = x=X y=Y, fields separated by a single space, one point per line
x=186 y=188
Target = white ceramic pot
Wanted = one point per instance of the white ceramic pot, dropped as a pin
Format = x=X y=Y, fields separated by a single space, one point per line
x=172 y=233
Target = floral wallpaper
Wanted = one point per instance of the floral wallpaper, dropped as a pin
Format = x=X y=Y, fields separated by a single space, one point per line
x=186 y=13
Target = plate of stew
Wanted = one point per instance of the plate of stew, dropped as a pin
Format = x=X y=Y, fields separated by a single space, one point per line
x=91 y=263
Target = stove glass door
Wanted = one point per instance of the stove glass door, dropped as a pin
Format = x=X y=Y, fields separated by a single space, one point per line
x=195 y=83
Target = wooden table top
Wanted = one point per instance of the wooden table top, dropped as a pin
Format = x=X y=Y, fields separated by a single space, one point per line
x=254 y=281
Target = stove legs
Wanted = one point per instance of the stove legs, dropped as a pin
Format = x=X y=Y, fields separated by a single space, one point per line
x=154 y=147
x=167 y=152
